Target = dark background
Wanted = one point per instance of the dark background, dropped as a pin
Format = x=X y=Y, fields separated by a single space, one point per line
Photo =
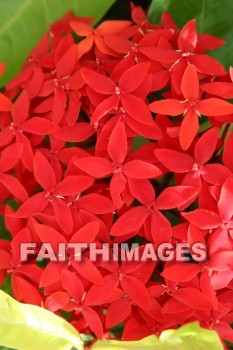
x=121 y=8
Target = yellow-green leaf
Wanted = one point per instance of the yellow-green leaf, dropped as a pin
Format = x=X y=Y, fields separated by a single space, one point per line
x=192 y=337
x=29 y=327
x=146 y=343
x=188 y=337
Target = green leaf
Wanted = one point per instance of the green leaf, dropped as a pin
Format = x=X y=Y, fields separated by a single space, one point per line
x=188 y=337
x=23 y=23
x=150 y=342
x=6 y=286
x=138 y=141
x=213 y=17
x=192 y=337
x=29 y=327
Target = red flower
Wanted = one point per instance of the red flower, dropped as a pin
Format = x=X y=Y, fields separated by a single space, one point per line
x=95 y=36
x=54 y=193
x=220 y=222
x=196 y=168
x=191 y=107
x=25 y=277
x=82 y=160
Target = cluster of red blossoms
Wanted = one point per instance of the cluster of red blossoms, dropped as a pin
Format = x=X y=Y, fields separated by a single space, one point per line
x=121 y=134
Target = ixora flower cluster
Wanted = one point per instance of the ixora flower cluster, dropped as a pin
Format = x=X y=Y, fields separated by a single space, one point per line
x=120 y=134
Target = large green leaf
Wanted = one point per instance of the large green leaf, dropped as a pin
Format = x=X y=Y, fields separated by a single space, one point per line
x=192 y=337
x=29 y=327
x=188 y=337
x=23 y=22
x=213 y=17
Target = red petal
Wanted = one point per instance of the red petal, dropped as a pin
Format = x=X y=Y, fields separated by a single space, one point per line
x=78 y=132
x=14 y=186
x=113 y=26
x=51 y=274
x=72 y=284
x=226 y=197
x=5 y=103
x=57 y=301
x=5 y=260
x=224 y=330
x=87 y=233
x=193 y=298
x=63 y=215
x=214 y=107
x=209 y=42
x=137 y=109
x=93 y=321
x=109 y=104
x=38 y=126
x=138 y=169
x=117 y=187
x=67 y=63
x=227 y=152
x=206 y=146
x=207 y=64
x=160 y=228
x=187 y=39
x=73 y=185
x=6 y=136
x=117 y=137
x=27 y=157
x=173 y=197
x=31 y=271
x=35 y=204
x=98 y=294
x=117 y=312
x=148 y=131
x=175 y=161
x=172 y=305
x=142 y=190
x=29 y=294
x=88 y=270
x=222 y=261
x=118 y=43
x=59 y=105
x=195 y=235
x=188 y=129
x=224 y=90
x=36 y=82
x=20 y=108
x=169 y=106
x=181 y=272
x=98 y=82
x=136 y=290
x=43 y=172
x=134 y=76
x=160 y=55
x=215 y=174
x=84 y=46
x=96 y=204
x=10 y=156
x=94 y=166
x=80 y=28
x=103 y=47
x=190 y=83
x=49 y=235
x=73 y=110
x=130 y=221
x=203 y=218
